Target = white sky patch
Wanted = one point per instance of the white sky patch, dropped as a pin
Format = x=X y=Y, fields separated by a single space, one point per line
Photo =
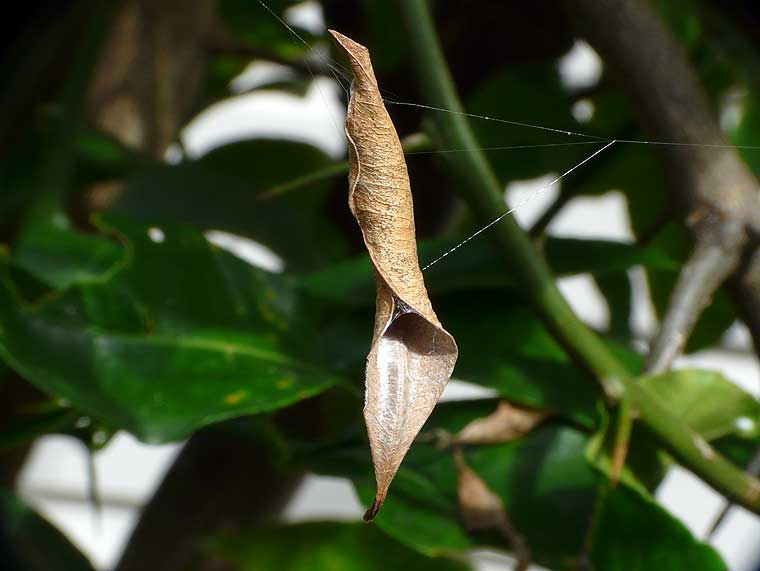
x=260 y=73
x=581 y=67
x=307 y=16
x=604 y=216
x=520 y=190
x=247 y=250
x=316 y=119
x=156 y=234
x=174 y=154
x=583 y=110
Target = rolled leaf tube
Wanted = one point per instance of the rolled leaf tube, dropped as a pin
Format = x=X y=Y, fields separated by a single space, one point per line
x=412 y=355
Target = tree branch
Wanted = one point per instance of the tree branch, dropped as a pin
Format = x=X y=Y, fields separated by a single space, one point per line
x=706 y=269
x=713 y=189
x=482 y=190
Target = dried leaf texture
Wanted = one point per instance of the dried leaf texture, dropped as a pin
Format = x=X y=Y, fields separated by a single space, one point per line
x=412 y=356
x=508 y=422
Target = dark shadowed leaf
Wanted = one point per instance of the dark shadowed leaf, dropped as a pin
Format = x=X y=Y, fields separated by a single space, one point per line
x=222 y=190
x=29 y=543
x=523 y=94
x=481 y=267
x=323 y=545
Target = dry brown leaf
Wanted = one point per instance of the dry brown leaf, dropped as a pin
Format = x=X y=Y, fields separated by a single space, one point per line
x=481 y=509
x=412 y=356
x=506 y=423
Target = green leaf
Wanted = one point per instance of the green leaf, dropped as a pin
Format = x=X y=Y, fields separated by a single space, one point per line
x=254 y=25
x=59 y=256
x=222 y=190
x=523 y=94
x=707 y=401
x=509 y=349
x=634 y=533
x=352 y=282
x=543 y=478
x=31 y=424
x=325 y=545
x=181 y=336
x=29 y=543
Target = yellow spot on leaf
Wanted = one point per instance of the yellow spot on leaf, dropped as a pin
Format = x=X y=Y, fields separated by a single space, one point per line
x=284 y=383
x=236 y=397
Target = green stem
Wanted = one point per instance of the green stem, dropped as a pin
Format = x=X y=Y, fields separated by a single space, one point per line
x=482 y=190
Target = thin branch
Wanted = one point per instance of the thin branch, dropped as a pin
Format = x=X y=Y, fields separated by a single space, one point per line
x=481 y=188
x=540 y=225
x=708 y=266
x=713 y=189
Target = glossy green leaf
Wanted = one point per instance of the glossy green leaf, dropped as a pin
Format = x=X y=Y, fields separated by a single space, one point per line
x=324 y=545
x=708 y=402
x=222 y=191
x=543 y=478
x=182 y=335
x=29 y=543
x=634 y=533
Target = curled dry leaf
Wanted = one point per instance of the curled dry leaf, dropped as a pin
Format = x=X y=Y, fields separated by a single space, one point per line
x=506 y=423
x=481 y=509
x=412 y=356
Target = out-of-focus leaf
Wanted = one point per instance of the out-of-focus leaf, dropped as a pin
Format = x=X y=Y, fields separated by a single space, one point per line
x=29 y=543
x=32 y=424
x=17 y=183
x=324 y=545
x=682 y=19
x=521 y=95
x=222 y=191
x=543 y=479
x=481 y=267
x=512 y=352
x=748 y=133
x=633 y=533
x=183 y=335
x=508 y=422
x=253 y=24
x=707 y=401
x=59 y=256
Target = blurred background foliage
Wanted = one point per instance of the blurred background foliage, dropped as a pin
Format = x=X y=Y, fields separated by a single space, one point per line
x=118 y=313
